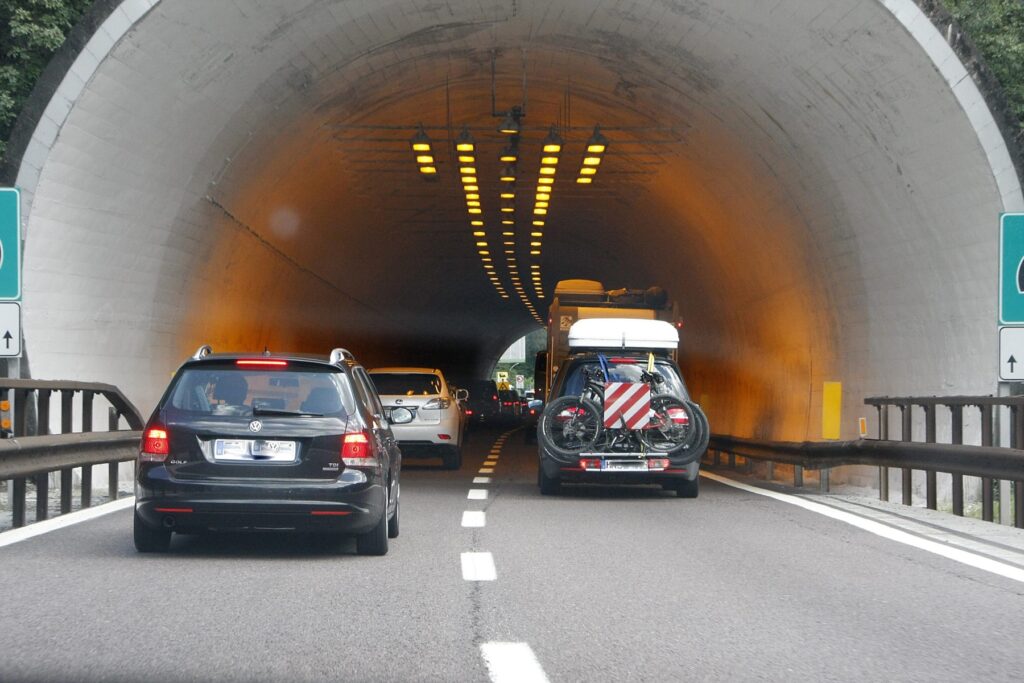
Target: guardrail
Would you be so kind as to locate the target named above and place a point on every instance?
(32, 452)
(958, 460)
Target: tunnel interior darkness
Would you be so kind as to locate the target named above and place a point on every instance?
(801, 177)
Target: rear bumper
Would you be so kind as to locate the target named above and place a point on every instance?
(573, 473)
(427, 433)
(353, 503)
(426, 449)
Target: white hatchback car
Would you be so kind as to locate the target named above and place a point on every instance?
(438, 424)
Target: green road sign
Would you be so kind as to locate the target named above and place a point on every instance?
(10, 244)
(1011, 269)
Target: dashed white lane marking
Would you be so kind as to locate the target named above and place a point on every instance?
(871, 526)
(512, 663)
(477, 494)
(478, 567)
(481, 480)
(491, 463)
(474, 518)
(48, 525)
(486, 470)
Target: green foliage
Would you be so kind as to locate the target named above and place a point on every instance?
(30, 32)
(996, 27)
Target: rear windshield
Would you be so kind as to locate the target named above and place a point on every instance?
(406, 383)
(230, 390)
(626, 370)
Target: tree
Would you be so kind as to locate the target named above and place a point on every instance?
(30, 32)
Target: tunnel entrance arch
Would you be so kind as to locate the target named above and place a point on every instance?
(799, 181)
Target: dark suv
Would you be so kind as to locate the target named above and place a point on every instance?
(269, 442)
(483, 403)
(676, 471)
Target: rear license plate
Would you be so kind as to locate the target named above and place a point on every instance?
(252, 449)
(624, 465)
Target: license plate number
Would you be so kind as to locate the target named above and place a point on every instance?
(624, 465)
(253, 449)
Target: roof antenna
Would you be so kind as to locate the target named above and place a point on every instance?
(266, 350)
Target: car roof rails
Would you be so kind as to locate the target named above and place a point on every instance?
(340, 354)
(202, 352)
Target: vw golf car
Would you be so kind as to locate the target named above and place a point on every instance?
(269, 442)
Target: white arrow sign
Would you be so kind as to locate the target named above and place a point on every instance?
(1011, 354)
(10, 329)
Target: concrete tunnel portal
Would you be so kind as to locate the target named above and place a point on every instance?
(816, 182)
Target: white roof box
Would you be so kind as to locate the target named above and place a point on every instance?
(623, 333)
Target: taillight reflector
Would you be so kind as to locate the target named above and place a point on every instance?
(355, 450)
(177, 510)
(261, 363)
(155, 445)
(678, 415)
(445, 437)
(330, 513)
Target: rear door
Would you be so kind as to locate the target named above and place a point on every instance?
(231, 421)
(420, 392)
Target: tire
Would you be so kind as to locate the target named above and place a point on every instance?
(549, 486)
(375, 541)
(148, 539)
(665, 436)
(570, 425)
(393, 522)
(452, 458)
(688, 489)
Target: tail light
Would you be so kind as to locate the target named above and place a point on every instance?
(356, 450)
(679, 416)
(436, 404)
(657, 463)
(155, 445)
(590, 463)
(445, 437)
(494, 398)
(468, 411)
(260, 363)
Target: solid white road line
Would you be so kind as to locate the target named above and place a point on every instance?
(486, 470)
(474, 518)
(512, 663)
(48, 525)
(477, 494)
(481, 480)
(871, 526)
(478, 567)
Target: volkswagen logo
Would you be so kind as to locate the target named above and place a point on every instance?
(255, 426)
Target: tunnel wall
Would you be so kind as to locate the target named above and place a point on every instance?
(828, 214)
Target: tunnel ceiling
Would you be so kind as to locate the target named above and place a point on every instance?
(798, 174)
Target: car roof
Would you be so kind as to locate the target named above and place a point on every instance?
(397, 370)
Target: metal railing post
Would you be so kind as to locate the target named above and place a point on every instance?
(113, 420)
(957, 431)
(986, 482)
(906, 415)
(798, 476)
(823, 479)
(66, 427)
(931, 484)
(883, 435)
(18, 490)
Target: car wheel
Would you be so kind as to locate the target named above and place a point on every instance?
(549, 486)
(453, 458)
(375, 541)
(150, 540)
(688, 489)
(393, 523)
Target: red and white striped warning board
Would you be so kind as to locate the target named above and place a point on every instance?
(627, 405)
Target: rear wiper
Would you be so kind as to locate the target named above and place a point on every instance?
(283, 413)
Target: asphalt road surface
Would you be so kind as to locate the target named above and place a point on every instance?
(596, 584)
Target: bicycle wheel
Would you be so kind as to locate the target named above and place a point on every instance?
(570, 425)
(673, 426)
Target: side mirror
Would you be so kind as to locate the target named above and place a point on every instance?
(461, 395)
(401, 416)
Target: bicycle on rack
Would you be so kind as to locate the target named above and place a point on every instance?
(575, 424)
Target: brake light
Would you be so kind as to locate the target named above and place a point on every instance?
(623, 360)
(155, 445)
(590, 463)
(468, 411)
(355, 450)
(533, 411)
(261, 363)
(679, 416)
(494, 398)
(657, 463)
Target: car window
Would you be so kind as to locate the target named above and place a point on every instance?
(364, 381)
(406, 383)
(229, 390)
(626, 371)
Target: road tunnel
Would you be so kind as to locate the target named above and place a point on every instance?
(816, 182)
